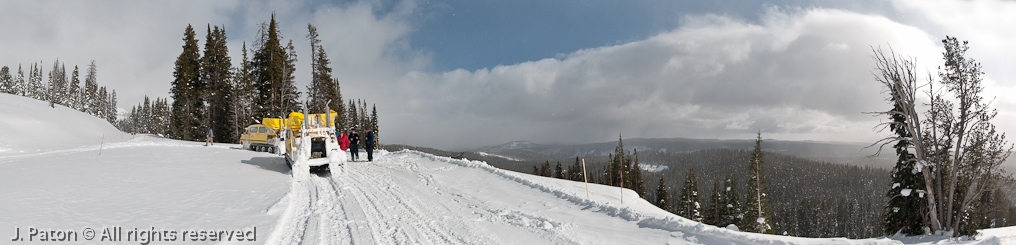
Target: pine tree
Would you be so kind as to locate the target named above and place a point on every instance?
(243, 94)
(558, 171)
(352, 116)
(6, 81)
(20, 85)
(663, 197)
(689, 206)
(616, 164)
(756, 218)
(111, 112)
(323, 90)
(373, 125)
(712, 211)
(36, 89)
(903, 213)
(91, 89)
(103, 109)
(575, 171)
(545, 169)
(272, 70)
(731, 211)
(637, 184)
(57, 84)
(74, 98)
(215, 71)
(188, 106)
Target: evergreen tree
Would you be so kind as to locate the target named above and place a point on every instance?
(36, 89)
(756, 218)
(575, 172)
(545, 169)
(712, 211)
(91, 89)
(6, 81)
(20, 85)
(689, 205)
(215, 71)
(637, 184)
(615, 169)
(731, 211)
(74, 98)
(323, 90)
(558, 171)
(103, 109)
(89, 102)
(273, 69)
(903, 214)
(244, 92)
(373, 125)
(188, 105)
(57, 84)
(353, 116)
(663, 197)
(111, 112)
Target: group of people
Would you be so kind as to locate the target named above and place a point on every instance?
(352, 140)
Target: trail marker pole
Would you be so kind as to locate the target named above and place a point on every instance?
(101, 142)
(622, 186)
(585, 178)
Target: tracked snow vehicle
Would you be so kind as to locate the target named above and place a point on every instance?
(310, 142)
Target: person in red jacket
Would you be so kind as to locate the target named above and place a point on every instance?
(343, 140)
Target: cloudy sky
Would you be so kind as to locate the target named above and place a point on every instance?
(456, 74)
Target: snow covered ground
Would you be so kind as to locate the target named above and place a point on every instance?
(184, 189)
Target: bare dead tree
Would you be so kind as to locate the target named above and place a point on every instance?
(899, 75)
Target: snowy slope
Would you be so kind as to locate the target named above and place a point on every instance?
(30, 125)
(147, 182)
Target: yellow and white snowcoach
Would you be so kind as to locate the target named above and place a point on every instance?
(264, 136)
(310, 142)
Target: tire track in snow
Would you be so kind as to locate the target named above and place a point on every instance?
(292, 224)
(313, 214)
(400, 216)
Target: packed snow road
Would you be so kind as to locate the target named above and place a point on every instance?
(395, 200)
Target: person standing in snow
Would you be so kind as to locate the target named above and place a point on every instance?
(209, 135)
(354, 149)
(343, 140)
(370, 145)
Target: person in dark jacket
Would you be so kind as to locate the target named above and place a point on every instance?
(370, 145)
(354, 140)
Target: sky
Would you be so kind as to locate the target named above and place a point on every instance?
(458, 74)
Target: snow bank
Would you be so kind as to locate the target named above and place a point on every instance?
(606, 200)
(28, 125)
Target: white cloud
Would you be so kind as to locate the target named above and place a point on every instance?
(714, 77)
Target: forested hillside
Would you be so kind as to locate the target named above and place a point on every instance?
(807, 198)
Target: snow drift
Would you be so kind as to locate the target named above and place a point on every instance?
(30, 125)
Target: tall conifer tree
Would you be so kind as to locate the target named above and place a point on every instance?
(757, 218)
(188, 106)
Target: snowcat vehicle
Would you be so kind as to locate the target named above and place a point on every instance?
(310, 143)
(263, 137)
